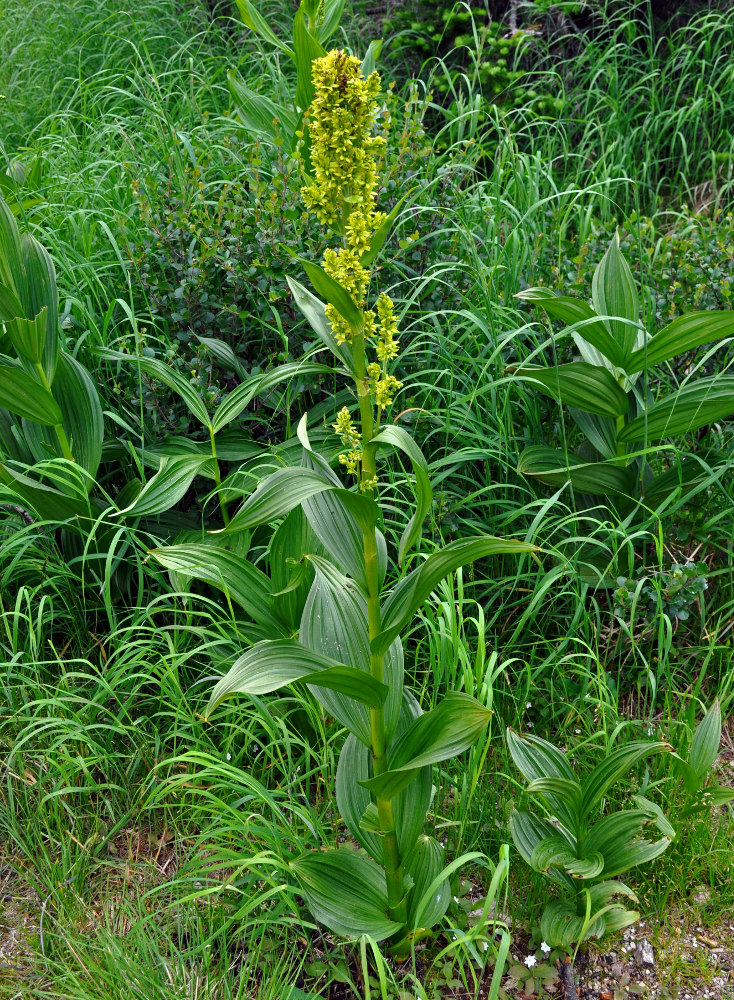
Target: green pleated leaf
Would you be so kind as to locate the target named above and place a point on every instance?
(169, 377)
(447, 730)
(334, 623)
(346, 892)
(556, 469)
(12, 272)
(290, 487)
(261, 115)
(332, 12)
(24, 396)
(227, 571)
(562, 927)
(330, 289)
(380, 236)
(50, 504)
(617, 763)
(169, 485)
(10, 306)
(416, 587)
(616, 828)
(683, 476)
(578, 384)
(313, 309)
(538, 760)
(695, 405)
(622, 856)
(706, 741)
(290, 573)
(577, 314)
(40, 297)
(397, 437)
(353, 799)
(82, 418)
(28, 336)
(555, 852)
(271, 665)
(558, 788)
(684, 334)
(257, 23)
(240, 398)
(306, 49)
(424, 864)
(656, 815)
(614, 294)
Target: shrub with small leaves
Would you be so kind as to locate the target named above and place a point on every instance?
(674, 592)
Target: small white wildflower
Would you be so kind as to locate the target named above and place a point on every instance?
(545, 947)
(650, 731)
(530, 961)
(456, 899)
(577, 731)
(529, 725)
(229, 756)
(485, 945)
(528, 704)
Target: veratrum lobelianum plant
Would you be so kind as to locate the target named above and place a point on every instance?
(611, 403)
(348, 650)
(576, 847)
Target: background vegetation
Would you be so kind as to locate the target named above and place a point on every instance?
(144, 851)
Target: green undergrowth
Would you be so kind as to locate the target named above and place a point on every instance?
(145, 851)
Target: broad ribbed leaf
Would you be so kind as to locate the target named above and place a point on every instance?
(578, 384)
(229, 572)
(313, 309)
(167, 486)
(290, 487)
(353, 799)
(346, 892)
(50, 504)
(617, 763)
(556, 469)
(28, 336)
(614, 294)
(334, 623)
(622, 856)
(306, 49)
(559, 788)
(332, 12)
(424, 864)
(616, 828)
(414, 589)
(601, 432)
(578, 315)
(24, 396)
(169, 377)
(261, 115)
(536, 760)
(257, 23)
(685, 333)
(39, 296)
(381, 235)
(273, 664)
(447, 730)
(554, 852)
(81, 413)
(241, 397)
(695, 405)
(337, 296)
(397, 437)
(290, 573)
(656, 815)
(706, 741)
(10, 306)
(562, 927)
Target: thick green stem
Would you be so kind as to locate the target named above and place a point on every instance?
(58, 428)
(218, 480)
(392, 861)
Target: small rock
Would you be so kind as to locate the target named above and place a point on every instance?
(644, 955)
(617, 969)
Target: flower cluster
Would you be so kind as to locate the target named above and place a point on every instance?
(342, 193)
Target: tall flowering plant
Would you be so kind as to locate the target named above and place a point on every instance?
(341, 636)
